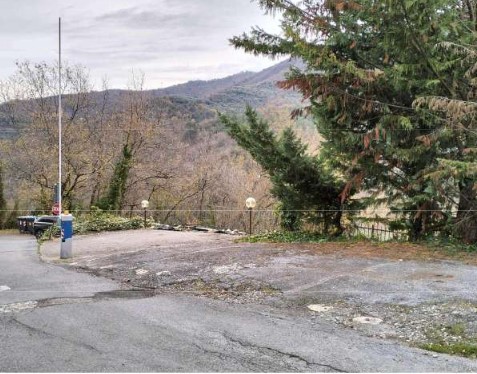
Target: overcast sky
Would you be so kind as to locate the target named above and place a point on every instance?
(171, 41)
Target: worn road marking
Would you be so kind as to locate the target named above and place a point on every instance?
(4, 288)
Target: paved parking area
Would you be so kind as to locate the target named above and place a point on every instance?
(409, 299)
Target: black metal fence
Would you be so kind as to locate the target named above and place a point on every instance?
(375, 231)
(262, 221)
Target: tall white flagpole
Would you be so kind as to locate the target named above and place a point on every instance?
(59, 117)
(60, 208)
(66, 220)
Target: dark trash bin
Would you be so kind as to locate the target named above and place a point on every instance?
(25, 224)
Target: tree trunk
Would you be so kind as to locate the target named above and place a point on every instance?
(337, 223)
(415, 232)
(96, 191)
(466, 221)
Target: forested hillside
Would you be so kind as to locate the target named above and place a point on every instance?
(123, 146)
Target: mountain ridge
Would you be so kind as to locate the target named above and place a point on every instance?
(203, 89)
(229, 94)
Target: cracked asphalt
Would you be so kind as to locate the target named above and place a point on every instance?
(161, 301)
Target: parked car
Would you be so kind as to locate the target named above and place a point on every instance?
(25, 224)
(43, 223)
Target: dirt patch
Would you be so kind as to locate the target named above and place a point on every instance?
(241, 292)
(386, 250)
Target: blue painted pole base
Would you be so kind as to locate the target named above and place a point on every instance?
(66, 236)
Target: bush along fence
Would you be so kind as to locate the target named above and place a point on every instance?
(258, 222)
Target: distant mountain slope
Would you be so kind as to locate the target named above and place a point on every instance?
(202, 89)
(229, 94)
(205, 89)
(274, 73)
(237, 98)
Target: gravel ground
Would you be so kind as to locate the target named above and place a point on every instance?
(408, 299)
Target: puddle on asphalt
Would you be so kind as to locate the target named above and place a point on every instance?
(55, 301)
(103, 295)
(43, 303)
(125, 294)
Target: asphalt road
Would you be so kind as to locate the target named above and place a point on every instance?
(54, 319)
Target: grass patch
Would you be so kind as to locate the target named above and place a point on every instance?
(306, 237)
(286, 237)
(461, 349)
(457, 329)
(465, 347)
(450, 245)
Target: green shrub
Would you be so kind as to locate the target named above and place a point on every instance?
(49, 233)
(286, 237)
(97, 221)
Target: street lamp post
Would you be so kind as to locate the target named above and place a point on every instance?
(250, 203)
(145, 205)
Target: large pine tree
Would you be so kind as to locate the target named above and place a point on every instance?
(372, 70)
(306, 189)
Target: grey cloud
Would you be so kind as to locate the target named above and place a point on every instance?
(117, 15)
(127, 56)
(182, 20)
(135, 18)
(171, 40)
(199, 69)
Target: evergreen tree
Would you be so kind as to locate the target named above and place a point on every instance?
(117, 187)
(302, 184)
(372, 70)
